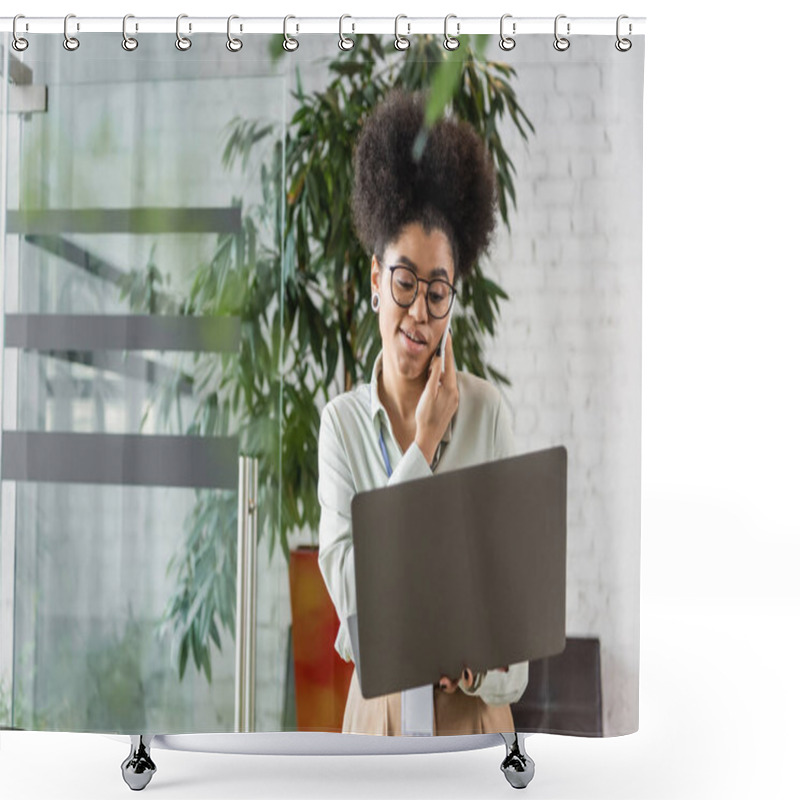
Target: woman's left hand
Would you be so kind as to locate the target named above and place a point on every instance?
(449, 685)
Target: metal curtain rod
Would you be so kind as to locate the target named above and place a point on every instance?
(354, 25)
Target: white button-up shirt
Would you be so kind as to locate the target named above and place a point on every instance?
(351, 461)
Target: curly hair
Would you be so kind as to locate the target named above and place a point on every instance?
(450, 186)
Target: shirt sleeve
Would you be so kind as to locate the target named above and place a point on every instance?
(411, 466)
(335, 491)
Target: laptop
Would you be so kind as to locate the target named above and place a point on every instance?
(463, 568)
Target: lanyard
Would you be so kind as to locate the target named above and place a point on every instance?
(385, 454)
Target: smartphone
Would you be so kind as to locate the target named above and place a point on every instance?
(443, 345)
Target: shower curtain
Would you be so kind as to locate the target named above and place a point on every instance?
(181, 285)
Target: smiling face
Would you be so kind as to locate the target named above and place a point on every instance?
(411, 335)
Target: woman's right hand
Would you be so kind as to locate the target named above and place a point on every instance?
(450, 685)
(437, 404)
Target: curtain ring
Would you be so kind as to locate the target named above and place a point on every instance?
(450, 42)
(233, 44)
(183, 43)
(289, 44)
(70, 42)
(401, 42)
(344, 42)
(561, 43)
(623, 45)
(129, 43)
(507, 42)
(19, 43)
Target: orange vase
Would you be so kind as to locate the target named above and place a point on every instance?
(322, 678)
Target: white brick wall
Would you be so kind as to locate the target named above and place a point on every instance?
(570, 338)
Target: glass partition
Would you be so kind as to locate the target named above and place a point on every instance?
(136, 243)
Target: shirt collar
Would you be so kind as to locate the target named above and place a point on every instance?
(377, 408)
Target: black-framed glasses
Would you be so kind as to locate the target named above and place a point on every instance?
(405, 285)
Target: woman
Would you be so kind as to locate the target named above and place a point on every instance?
(424, 220)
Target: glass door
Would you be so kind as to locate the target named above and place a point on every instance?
(136, 242)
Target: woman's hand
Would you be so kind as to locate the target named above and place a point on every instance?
(438, 403)
(449, 685)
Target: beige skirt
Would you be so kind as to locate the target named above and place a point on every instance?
(453, 714)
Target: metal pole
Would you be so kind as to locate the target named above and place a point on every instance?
(239, 682)
(251, 582)
(245, 668)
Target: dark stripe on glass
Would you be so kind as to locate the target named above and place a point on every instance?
(125, 220)
(123, 459)
(109, 332)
